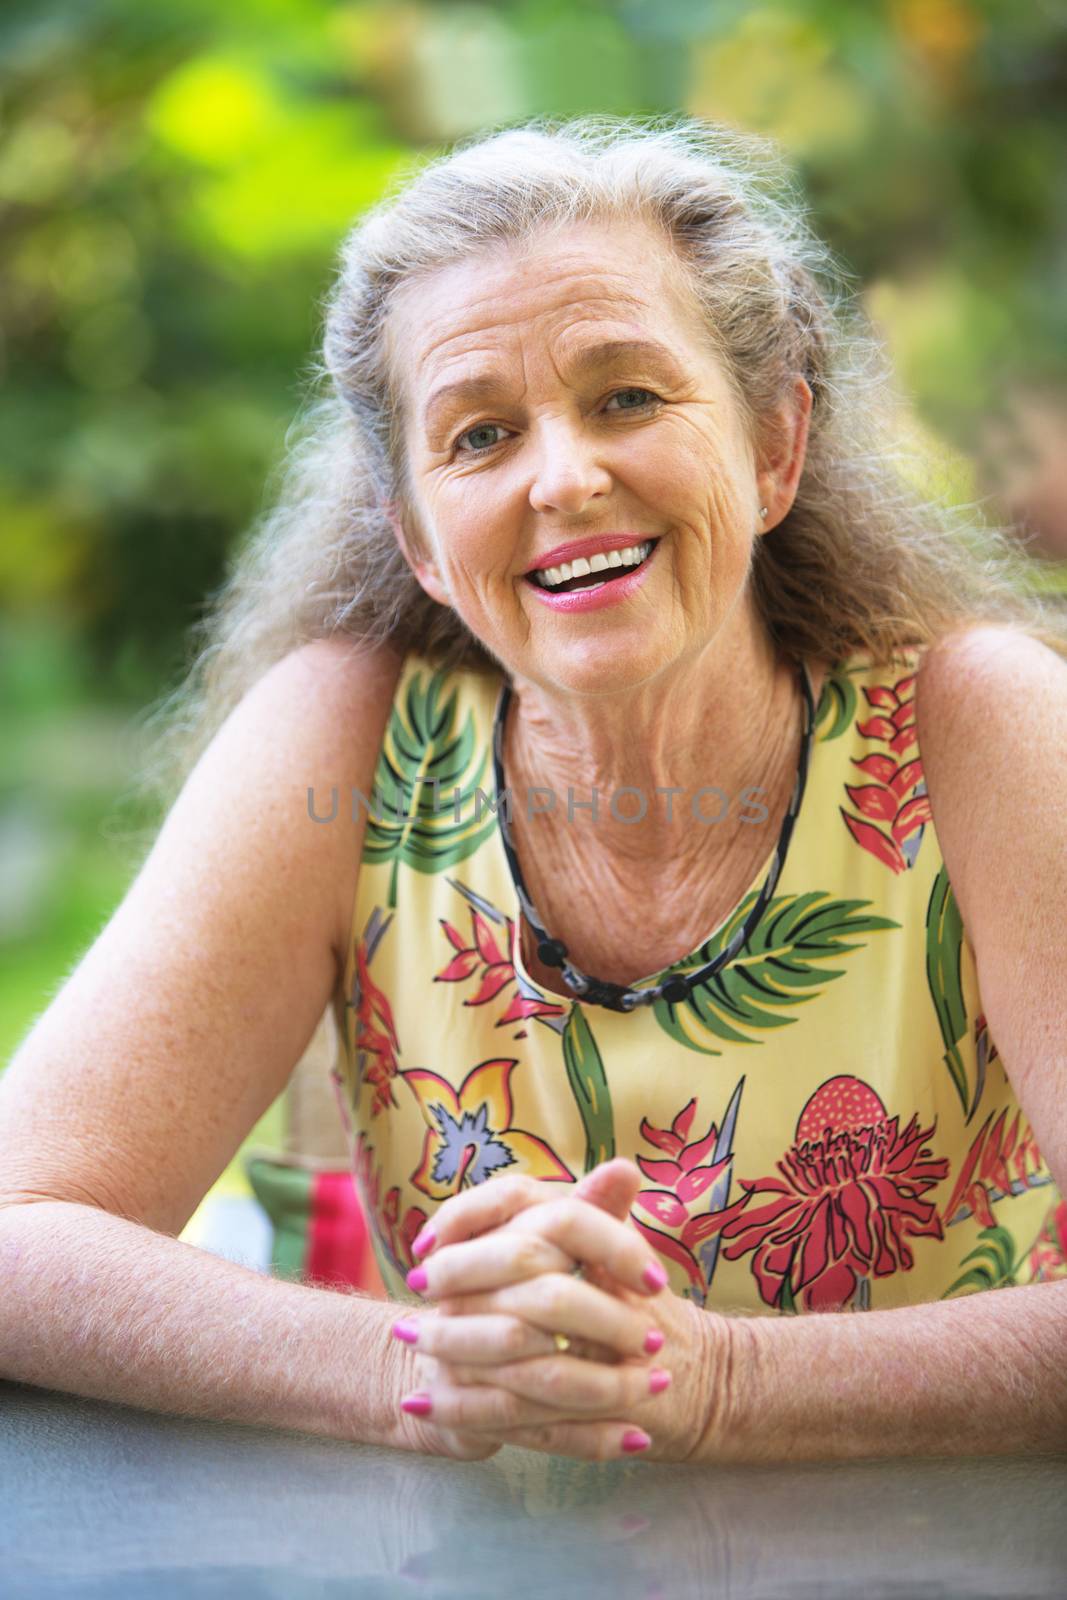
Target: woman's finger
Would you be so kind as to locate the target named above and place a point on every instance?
(568, 1383)
(542, 1238)
(488, 1408)
(552, 1303)
(477, 1210)
(486, 1340)
(588, 1234)
(489, 1262)
(491, 1205)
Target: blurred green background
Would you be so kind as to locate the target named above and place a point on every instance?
(175, 179)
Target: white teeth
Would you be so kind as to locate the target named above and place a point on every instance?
(632, 556)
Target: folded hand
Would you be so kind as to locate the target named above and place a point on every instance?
(499, 1270)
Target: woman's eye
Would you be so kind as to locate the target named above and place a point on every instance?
(477, 446)
(644, 396)
(480, 437)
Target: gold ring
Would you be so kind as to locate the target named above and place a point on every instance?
(561, 1340)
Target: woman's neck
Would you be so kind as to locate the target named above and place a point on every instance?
(694, 743)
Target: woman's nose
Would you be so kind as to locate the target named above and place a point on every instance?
(567, 474)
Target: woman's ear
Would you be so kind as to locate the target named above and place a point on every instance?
(782, 461)
(422, 566)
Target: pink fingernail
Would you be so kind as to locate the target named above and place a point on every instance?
(408, 1331)
(417, 1279)
(424, 1242)
(655, 1276)
(658, 1380)
(634, 1440)
(653, 1341)
(420, 1405)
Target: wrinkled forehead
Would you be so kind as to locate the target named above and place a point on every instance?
(628, 273)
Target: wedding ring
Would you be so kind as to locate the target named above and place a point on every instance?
(561, 1340)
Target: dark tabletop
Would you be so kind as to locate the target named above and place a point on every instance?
(101, 1500)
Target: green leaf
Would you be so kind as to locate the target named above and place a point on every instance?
(416, 823)
(998, 1246)
(944, 943)
(589, 1085)
(837, 702)
(775, 970)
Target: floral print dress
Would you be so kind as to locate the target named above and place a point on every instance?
(823, 1124)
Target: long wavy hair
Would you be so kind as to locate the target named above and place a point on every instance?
(869, 556)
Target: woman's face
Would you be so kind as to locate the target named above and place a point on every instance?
(569, 392)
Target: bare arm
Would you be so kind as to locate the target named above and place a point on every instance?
(169, 1040)
(96, 1305)
(982, 1375)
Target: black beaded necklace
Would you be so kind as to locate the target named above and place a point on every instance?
(678, 986)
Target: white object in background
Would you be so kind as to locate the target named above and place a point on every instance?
(233, 1226)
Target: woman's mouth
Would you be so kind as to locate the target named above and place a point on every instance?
(611, 567)
(588, 591)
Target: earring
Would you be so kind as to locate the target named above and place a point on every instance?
(763, 511)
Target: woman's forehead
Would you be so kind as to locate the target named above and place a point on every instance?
(590, 275)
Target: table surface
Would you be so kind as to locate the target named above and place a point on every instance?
(102, 1500)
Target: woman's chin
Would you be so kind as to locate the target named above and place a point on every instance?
(605, 665)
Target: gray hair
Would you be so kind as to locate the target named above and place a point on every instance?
(867, 557)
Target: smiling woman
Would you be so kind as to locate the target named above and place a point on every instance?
(604, 502)
(532, 441)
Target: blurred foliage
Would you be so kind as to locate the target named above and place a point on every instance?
(175, 179)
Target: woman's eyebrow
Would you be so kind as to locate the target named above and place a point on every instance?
(581, 362)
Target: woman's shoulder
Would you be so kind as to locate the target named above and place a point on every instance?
(991, 702)
(992, 716)
(328, 693)
(309, 735)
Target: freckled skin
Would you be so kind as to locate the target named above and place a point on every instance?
(678, 685)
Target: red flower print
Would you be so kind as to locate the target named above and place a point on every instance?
(688, 1194)
(1048, 1258)
(845, 1205)
(396, 1235)
(985, 1051)
(375, 1036)
(1002, 1161)
(894, 805)
(496, 970)
(984, 1044)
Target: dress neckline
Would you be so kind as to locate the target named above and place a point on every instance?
(677, 986)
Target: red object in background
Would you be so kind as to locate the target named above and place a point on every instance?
(339, 1248)
(320, 1231)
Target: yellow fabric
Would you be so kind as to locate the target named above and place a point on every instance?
(824, 1124)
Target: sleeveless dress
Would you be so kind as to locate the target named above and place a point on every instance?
(821, 1119)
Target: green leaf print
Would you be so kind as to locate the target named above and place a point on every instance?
(774, 970)
(944, 942)
(417, 823)
(996, 1263)
(837, 702)
(589, 1085)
